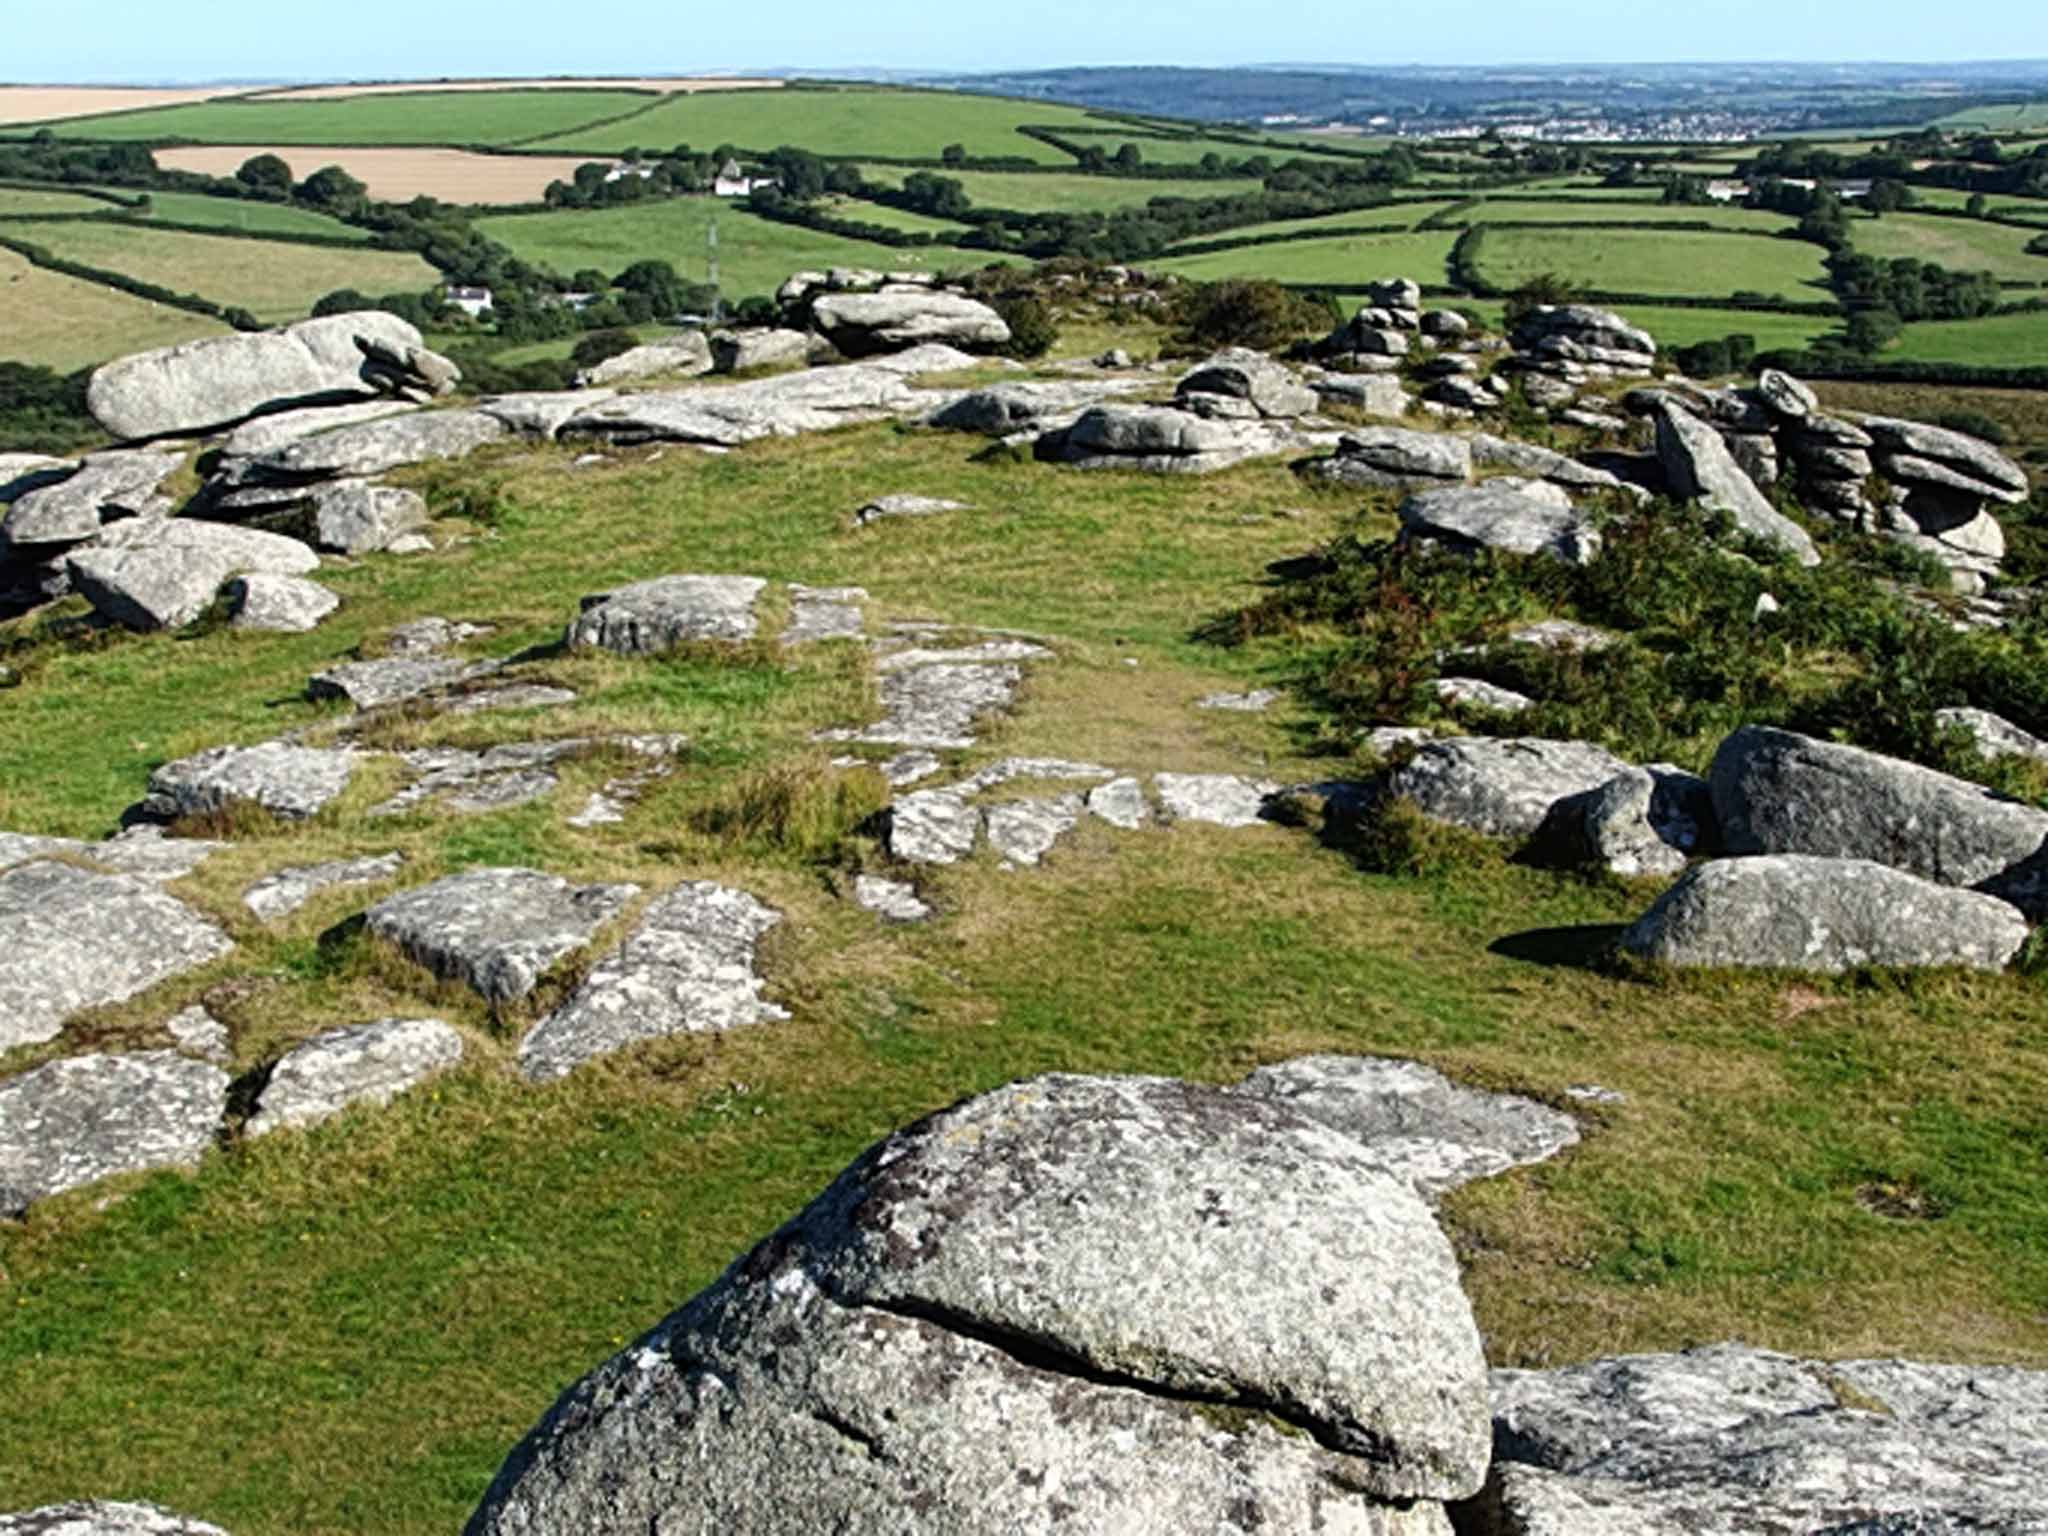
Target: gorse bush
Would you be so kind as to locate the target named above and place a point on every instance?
(1848, 655)
(1248, 313)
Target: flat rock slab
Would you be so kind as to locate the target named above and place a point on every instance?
(358, 518)
(123, 483)
(86, 1118)
(1025, 831)
(369, 1064)
(1177, 1259)
(1034, 406)
(933, 826)
(687, 968)
(1732, 1441)
(279, 895)
(377, 447)
(1502, 787)
(725, 416)
(282, 605)
(1779, 792)
(1501, 517)
(1163, 440)
(198, 1033)
(1121, 803)
(897, 900)
(98, 1517)
(394, 679)
(905, 506)
(1796, 912)
(860, 324)
(162, 573)
(650, 617)
(267, 434)
(1217, 799)
(496, 930)
(1418, 1124)
(823, 613)
(72, 940)
(288, 781)
(935, 704)
(1257, 702)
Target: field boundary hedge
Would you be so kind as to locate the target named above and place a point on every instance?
(192, 303)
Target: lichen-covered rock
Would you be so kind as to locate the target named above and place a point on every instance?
(1024, 831)
(932, 826)
(1034, 405)
(1394, 458)
(71, 940)
(358, 518)
(744, 351)
(823, 613)
(1160, 440)
(1502, 787)
(73, 507)
(1779, 792)
(280, 895)
(375, 447)
(905, 506)
(687, 354)
(1415, 1122)
(1638, 824)
(289, 781)
(1912, 450)
(783, 405)
(393, 679)
(1797, 912)
(99, 1517)
(1122, 803)
(860, 324)
(1578, 331)
(496, 930)
(86, 1118)
(162, 573)
(1733, 1441)
(280, 605)
(1212, 1313)
(1540, 463)
(1216, 799)
(686, 968)
(934, 703)
(896, 900)
(1993, 735)
(1700, 468)
(1238, 373)
(368, 1064)
(649, 617)
(1499, 516)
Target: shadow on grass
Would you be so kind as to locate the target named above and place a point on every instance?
(1585, 947)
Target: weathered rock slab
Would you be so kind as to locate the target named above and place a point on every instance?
(1502, 787)
(650, 617)
(860, 324)
(279, 605)
(279, 895)
(289, 781)
(99, 1517)
(86, 1118)
(1215, 799)
(162, 573)
(1497, 516)
(367, 1064)
(496, 930)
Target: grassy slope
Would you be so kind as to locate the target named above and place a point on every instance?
(345, 1330)
(1649, 261)
(1404, 215)
(449, 117)
(235, 216)
(892, 218)
(65, 323)
(1523, 210)
(17, 201)
(1963, 244)
(1052, 192)
(755, 254)
(1683, 327)
(278, 282)
(896, 124)
(1349, 259)
(1997, 341)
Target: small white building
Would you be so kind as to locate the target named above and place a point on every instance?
(622, 170)
(733, 182)
(471, 301)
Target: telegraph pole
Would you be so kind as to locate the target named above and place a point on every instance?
(717, 295)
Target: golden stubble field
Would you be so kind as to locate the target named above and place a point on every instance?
(656, 84)
(397, 175)
(40, 103)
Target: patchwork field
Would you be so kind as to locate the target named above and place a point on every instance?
(18, 202)
(429, 118)
(1530, 210)
(1967, 245)
(240, 216)
(755, 254)
(397, 175)
(1399, 215)
(65, 323)
(1684, 327)
(1345, 260)
(1656, 262)
(274, 281)
(1052, 192)
(845, 123)
(1997, 341)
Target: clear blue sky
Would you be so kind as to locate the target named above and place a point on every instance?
(161, 40)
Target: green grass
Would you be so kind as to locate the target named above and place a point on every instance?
(894, 124)
(1996, 341)
(1656, 262)
(1343, 260)
(1053, 192)
(891, 218)
(1508, 209)
(1583, 187)
(1683, 327)
(446, 117)
(276, 282)
(1964, 245)
(1403, 215)
(755, 254)
(66, 323)
(15, 202)
(2006, 119)
(235, 216)
(346, 1330)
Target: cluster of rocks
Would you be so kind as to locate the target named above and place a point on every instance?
(1814, 856)
(861, 313)
(1930, 487)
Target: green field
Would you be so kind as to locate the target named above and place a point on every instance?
(1656, 262)
(1996, 341)
(887, 123)
(274, 281)
(20, 202)
(1525, 210)
(235, 216)
(1683, 327)
(1343, 260)
(755, 254)
(1579, 186)
(1401, 215)
(65, 322)
(2006, 119)
(446, 117)
(1965, 245)
(1055, 192)
(891, 218)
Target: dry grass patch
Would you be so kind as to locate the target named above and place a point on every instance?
(396, 175)
(67, 323)
(654, 84)
(46, 103)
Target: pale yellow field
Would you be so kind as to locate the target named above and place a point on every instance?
(400, 87)
(396, 175)
(39, 103)
(64, 323)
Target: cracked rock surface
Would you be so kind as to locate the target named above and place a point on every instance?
(1502, 787)
(99, 1517)
(496, 930)
(1734, 1441)
(368, 1064)
(71, 940)
(86, 1118)
(687, 968)
(1214, 1314)
(281, 894)
(649, 617)
(288, 781)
